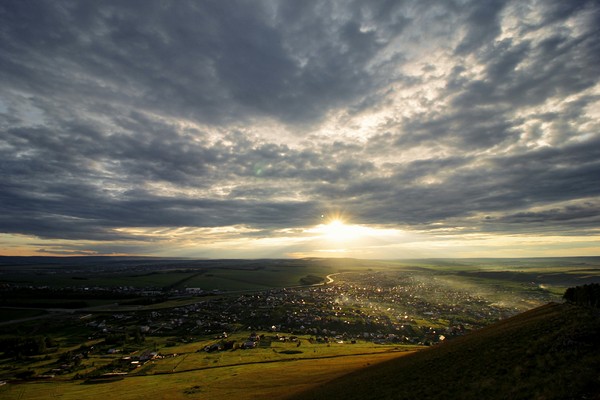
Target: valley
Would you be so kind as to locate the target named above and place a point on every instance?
(67, 323)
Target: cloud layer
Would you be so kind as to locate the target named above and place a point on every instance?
(147, 126)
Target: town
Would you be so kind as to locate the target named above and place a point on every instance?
(396, 306)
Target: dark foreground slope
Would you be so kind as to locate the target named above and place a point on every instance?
(552, 352)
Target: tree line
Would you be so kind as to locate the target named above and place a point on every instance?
(587, 295)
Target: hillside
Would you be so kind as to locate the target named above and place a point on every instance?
(551, 352)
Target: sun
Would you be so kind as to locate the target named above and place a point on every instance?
(338, 231)
(336, 237)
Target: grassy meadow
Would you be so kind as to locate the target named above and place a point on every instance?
(257, 381)
(276, 371)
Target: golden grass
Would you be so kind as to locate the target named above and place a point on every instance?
(274, 380)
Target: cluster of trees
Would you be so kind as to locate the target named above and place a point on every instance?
(19, 346)
(586, 295)
(119, 339)
(311, 280)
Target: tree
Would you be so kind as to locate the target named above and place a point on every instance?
(587, 295)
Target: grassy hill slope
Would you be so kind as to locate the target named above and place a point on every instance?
(551, 352)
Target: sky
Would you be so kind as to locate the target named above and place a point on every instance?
(268, 129)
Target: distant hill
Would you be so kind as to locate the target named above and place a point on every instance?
(551, 352)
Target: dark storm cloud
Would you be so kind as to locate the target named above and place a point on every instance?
(211, 60)
(462, 188)
(482, 25)
(174, 114)
(557, 66)
(584, 216)
(482, 112)
(87, 214)
(58, 187)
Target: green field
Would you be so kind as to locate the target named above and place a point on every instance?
(259, 381)
(241, 374)
(236, 275)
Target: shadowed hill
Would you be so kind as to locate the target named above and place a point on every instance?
(551, 352)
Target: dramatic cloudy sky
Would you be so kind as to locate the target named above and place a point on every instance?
(244, 128)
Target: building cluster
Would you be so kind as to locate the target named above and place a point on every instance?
(378, 306)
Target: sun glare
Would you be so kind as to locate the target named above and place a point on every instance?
(338, 231)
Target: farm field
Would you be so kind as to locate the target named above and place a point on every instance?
(274, 381)
(241, 374)
(235, 275)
